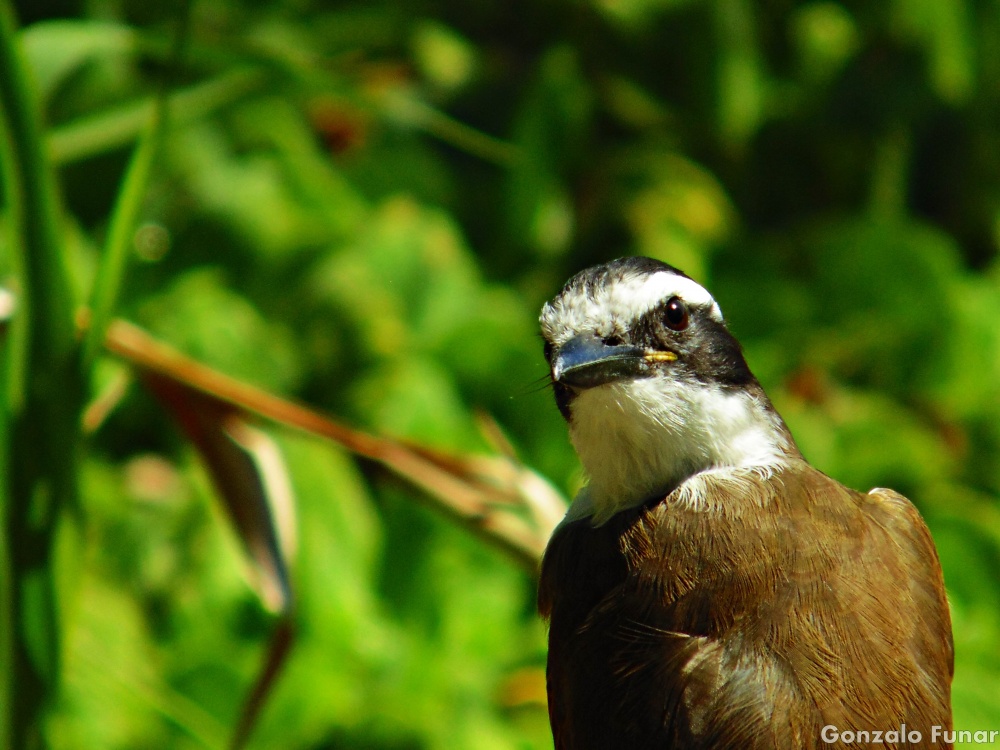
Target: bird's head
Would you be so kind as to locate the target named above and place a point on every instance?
(654, 387)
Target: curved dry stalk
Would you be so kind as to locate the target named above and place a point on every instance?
(497, 498)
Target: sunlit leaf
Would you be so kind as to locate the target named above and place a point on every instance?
(55, 49)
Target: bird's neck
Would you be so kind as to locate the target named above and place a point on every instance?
(645, 438)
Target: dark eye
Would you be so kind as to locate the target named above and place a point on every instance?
(676, 316)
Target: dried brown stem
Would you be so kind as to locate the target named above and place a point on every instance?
(479, 492)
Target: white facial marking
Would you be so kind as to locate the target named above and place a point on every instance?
(669, 433)
(617, 305)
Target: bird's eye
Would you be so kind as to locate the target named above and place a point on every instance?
(676, 316)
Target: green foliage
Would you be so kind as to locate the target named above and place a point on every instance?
(40, 400)
(363, 206)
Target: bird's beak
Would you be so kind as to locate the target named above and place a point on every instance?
(587, 362)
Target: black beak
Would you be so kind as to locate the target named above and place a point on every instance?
(587, 362)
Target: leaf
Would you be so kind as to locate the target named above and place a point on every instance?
(248, 474)
(213, 322)
(552, 123)
(825, 36)
(445, 58)
(56, 49)
(118, 126)
(676, 209)
(944, 28)
(740, 78)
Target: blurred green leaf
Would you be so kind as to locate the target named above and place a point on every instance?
(550, 125)
(446, 59)
(637, 12)
(95, 134)
(677, 211)
(220, 327)
(826, 36)
(56, 49)
(943, 27)
(887, 288)
(741, 82)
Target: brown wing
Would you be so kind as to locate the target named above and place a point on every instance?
(749, 627)
(634, 659)
(920, 584)
(581, 566)
(868, 635)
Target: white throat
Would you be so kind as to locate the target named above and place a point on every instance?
(644, 437)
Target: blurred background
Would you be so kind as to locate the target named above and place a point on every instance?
(362, 206)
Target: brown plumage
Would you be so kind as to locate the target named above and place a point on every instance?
(748, 626)
(752, 602)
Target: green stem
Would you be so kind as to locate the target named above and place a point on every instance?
(41, 399)
(111, 269)
(47, 284)
(128, 206)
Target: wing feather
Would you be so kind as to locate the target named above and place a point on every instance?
(745, 629)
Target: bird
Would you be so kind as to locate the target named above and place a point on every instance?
(708, 589)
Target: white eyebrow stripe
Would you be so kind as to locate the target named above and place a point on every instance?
(619, 304)
(639, 295)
